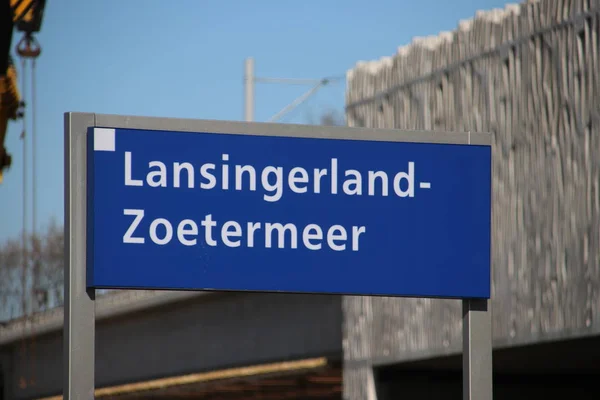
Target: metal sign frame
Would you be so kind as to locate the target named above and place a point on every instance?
(79, 304)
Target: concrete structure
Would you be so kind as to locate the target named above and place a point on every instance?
(206, 338)
(529, 74)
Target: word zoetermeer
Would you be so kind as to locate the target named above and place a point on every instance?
(232, 233)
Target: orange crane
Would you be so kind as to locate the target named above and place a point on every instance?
(26, 16)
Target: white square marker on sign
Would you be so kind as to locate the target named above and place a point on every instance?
(104, 139)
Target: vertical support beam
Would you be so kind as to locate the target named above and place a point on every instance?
(249, 90)
(371, 388)
(6, 376)
(79, 307)
(477, 350)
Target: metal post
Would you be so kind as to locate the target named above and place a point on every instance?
(249, 90)
(7, 375)
(79, 309)
(477, 350)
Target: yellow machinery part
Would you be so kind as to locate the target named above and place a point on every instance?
(26, 15)
(9, 92)
(22, 10)
(9, 107)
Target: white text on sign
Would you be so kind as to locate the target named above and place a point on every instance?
(273, 181)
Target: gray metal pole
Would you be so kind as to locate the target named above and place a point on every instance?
(249, 90)
(477, 350)
(79, 309)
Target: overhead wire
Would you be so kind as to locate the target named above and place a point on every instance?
(30, 241)
(36, 243)
(296, 102)
(304, 97)
(24, 244)
(33, 152)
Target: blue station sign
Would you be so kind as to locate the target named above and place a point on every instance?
(215, 210)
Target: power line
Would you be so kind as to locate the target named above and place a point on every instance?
(250, 79)
(298, 81)
(296, 102)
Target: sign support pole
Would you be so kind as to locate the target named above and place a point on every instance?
(477, 350)
(79, 306)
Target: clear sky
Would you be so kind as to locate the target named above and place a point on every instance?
(185, 59)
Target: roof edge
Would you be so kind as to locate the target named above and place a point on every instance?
(110, 305)
(432, 42)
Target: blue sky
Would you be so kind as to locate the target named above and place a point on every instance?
(185, 59)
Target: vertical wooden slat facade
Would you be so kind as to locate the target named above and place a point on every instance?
(529, 74)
